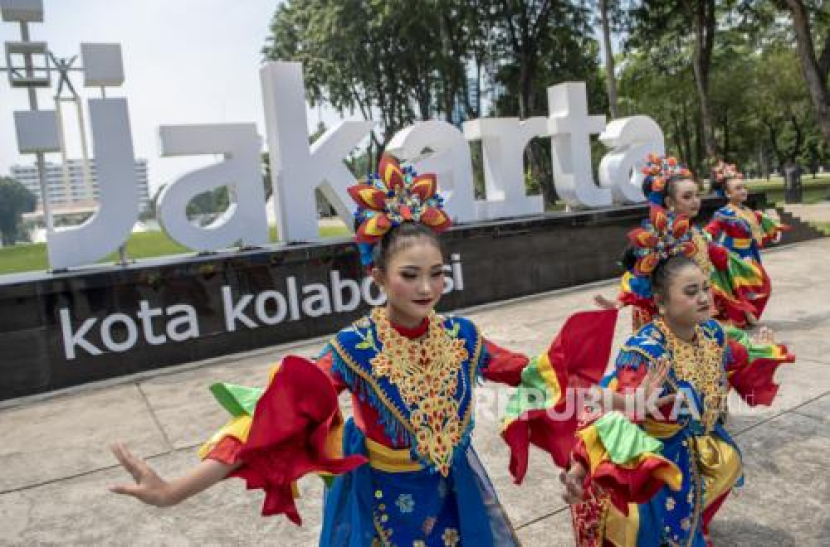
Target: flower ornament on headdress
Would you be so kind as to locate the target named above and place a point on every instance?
(723, 172)
(660, 238)
(659, 170)
(392, 196)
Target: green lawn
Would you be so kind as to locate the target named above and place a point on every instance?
(32, 257)
(815, 189)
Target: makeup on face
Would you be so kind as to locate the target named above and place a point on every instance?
(685, 198)
(413, 282)
(689, 299)
(737, 191)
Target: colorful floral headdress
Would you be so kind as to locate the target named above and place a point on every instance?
(659, 238)
(392, 196)
(723, 172)
(659, 170)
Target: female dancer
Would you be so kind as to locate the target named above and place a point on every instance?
(701, 368)
(736, 284)
(402, 470)
(740, 229)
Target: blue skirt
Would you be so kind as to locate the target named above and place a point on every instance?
(367, 506)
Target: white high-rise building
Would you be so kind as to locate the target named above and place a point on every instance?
(73, 193)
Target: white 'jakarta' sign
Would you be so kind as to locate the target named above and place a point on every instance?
(299, 168)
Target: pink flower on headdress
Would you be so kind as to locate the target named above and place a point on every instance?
(726, 171)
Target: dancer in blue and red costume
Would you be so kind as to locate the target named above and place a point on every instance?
(702, 364)
(402, 470)
(737, 285)
(741, 230)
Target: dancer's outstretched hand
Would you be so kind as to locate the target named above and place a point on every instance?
(765, 336)
(606, 304)
(573, 479)
(654, 381)
(148, 487)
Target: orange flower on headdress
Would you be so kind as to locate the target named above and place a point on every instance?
(395, 195)
(660, 237)
(659, 170)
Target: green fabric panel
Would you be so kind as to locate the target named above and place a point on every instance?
(721, 280)
(753, 349)
(739, 267)
(624, 440)
(532, 393)
(237, 400)
(768, 225)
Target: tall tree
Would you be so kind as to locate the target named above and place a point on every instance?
(524, 24)
(654, 20)
(606, 9)
(532, 59)
(814, 67)
(15, 199)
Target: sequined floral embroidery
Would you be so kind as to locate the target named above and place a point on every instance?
(425, 372)
(405, 503)
(450, 537)
(701, 364)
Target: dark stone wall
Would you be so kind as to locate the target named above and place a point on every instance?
(500, 260)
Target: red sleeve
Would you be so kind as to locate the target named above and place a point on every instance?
(325, 364)
(226, 451)
(502, 365)
(753, 376)
(719, 256)
(714, 227)
(290, 436)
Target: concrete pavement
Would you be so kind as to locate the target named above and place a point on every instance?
(55, 466)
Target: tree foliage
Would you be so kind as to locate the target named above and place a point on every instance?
(721, 78)
(15, 199)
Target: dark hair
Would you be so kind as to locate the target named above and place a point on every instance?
(668, 190)
(666, 270)
(720, 186)
(399, 238)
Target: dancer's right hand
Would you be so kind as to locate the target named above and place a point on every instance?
(148, 487)
(573, 479)
(606, 304)
(654, 381)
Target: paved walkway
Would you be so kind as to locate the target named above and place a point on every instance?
(55, 466)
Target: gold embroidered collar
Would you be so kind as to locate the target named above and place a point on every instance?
(425, 372)
(700, 363)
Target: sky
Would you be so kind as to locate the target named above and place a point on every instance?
(185, 62)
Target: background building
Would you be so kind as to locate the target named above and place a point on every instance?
(73, 193)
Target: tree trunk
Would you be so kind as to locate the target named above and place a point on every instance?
(799, 140)
(725, 133)
(773, 141)
(704, 25)
(610, 78)
(814, 75)
(698, 159)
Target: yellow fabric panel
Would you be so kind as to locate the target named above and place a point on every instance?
(621, 530)
(237, 428)
(660, 430)
(390, 460)
(549, 376)
(720, 466)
